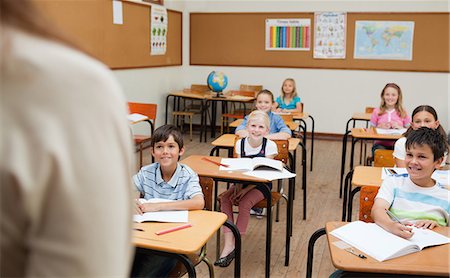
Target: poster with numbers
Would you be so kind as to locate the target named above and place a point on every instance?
(158, 30)
(330, 35)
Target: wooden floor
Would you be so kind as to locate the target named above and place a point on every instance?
(323, 205)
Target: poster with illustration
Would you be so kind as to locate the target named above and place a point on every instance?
(329, 35)
(158, 30)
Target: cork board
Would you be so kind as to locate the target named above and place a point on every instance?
(90, 24)
(238, 39)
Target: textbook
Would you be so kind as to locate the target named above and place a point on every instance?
(250, 164)
(383, 245)
(172, 216)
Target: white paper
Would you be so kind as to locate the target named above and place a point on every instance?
(136, 117)
(270, 175)
(173, 216)
(245, 163)
(392, 131)
(117, 12)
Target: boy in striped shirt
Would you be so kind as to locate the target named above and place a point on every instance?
(416, 200)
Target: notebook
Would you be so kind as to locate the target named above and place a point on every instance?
(172, 216)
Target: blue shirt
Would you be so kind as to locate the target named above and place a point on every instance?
(276, 124)
(291, 105)
(183, 185)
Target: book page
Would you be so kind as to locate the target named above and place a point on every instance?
(270, 175)
(267, 164)
(235, 164)
(392, 131)
(426, 237)
(173, 216)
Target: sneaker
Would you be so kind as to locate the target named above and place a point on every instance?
(258, 212)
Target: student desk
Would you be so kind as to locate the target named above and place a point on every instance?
(433, 261)
(207, 169)
(226, 141)
(360, 134)
(186, 241)
(207, 99)
(292, 125)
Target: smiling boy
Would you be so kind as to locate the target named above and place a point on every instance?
(165, 179)
(417, 200)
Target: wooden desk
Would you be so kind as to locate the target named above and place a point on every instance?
(226, 141)
(292, 125)
(186, 241)
(212, 170)
(433, 261)
(360, 134)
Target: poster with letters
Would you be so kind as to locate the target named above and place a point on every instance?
(330, 35)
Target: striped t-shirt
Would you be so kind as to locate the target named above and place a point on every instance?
(183, 185)
(411, 202)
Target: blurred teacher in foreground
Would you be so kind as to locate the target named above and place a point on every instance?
(65, 153)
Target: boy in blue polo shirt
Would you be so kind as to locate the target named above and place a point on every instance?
(165, 179)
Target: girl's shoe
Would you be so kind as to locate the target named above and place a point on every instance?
(225, 261)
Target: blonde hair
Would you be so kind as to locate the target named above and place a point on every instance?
(398, 106)
(259, 115)
(294, 92)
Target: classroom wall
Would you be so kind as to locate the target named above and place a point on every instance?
(331, 96)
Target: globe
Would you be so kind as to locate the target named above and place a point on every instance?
(217, 81)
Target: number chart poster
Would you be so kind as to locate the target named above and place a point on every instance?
(158, 30)
(329, 35)
(288, 34)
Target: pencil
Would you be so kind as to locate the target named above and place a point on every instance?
(214, 162)
(173, 229)
(392, 216)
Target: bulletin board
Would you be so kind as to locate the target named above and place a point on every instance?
(90, 25)
(238, 39)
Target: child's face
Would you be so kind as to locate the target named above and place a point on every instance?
(167, 153)
(257, 128)
(390, 97)
(264, 103)
(288, 87)
(424, 118)
(420, 163)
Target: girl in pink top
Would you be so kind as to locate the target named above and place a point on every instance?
(390, 114)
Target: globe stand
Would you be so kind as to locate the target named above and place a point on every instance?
(220, 94)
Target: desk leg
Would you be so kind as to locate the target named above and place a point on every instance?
(304, 172)
(344, 154)
(352, 152)
(237, 248)
(350, 203)
(268, 229)
(347, 189)
(167, 107)
(289, 220)
(213, 118)
(312, 240)
(312, 142)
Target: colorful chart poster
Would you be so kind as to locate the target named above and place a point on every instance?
(330, 35)
(384, 40)
(288, 34)
(158, 30)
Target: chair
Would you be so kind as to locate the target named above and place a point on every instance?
(190, 107)
(366, 200)
(179, 270)
(149, 110)
(384, 158)
(234, 111)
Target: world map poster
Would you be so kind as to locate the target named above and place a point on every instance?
(384, 40)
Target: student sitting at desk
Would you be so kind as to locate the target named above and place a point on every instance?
(165, 179)
(278, 129)
(289, 101)
(416, 199)
(255, 145)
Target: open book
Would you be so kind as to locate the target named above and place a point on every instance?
(175, 216)
(250, 164)
(381, 244)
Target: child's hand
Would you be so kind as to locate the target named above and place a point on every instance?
(401, 230)
(149, 207)
(279, 110)
(428, 224)
(385, 125)
(137, 209)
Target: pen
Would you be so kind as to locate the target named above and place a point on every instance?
(351, 251)
(392, 216)
(214, 162)
(173, 229)
(137, 229)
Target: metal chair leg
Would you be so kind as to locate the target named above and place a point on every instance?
(312, 240)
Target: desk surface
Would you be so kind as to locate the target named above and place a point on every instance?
(367, 175)
(207, 169)
(361, 116)
(186, 241)
(187, 93)
(371, 133)
(291, 125)
(429, 261)
(227, 141)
